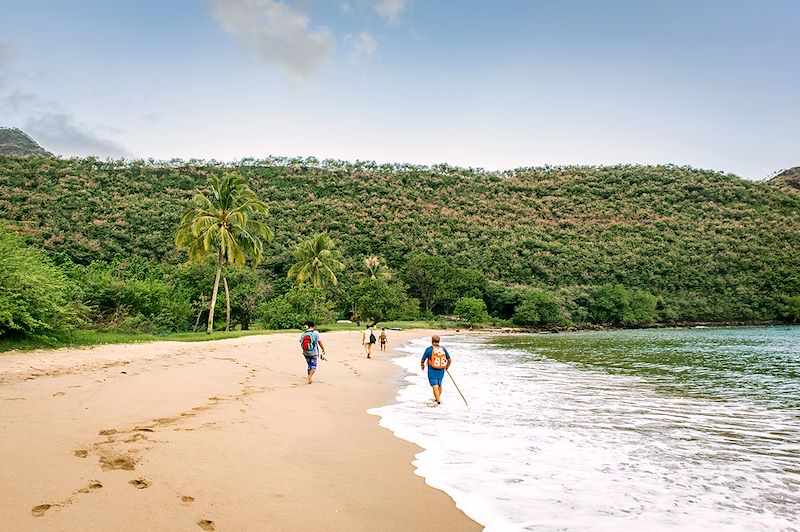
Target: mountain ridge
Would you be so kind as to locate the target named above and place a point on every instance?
(14, 141)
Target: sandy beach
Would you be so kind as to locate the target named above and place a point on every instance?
(223, 435)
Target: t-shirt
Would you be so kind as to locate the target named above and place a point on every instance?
(427, 356)
(314, 340)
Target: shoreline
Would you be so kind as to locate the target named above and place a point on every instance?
(223, 435)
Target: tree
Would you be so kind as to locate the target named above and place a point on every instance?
(317, 260)
(537, 307)
(374, 270)
(225, 221)
(617, 305)
(790, 308)
(472, 310)
(295, 307)
(426, 276)
(375, 301)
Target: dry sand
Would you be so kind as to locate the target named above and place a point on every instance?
(222, 435)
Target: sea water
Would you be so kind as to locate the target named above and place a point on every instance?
(670, 429)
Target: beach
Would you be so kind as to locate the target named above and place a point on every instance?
(222, 435)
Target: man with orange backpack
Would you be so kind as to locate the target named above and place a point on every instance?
(438, 360)
(310, 342)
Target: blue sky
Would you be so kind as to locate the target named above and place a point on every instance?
(491, 84)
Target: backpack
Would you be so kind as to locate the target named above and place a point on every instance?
(371, 338)
(438, 357)
(308, 344)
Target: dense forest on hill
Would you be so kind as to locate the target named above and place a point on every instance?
(706, 246)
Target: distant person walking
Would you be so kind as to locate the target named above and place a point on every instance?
(368, 340)
(311, 342)
(382, 338)
(438, 360)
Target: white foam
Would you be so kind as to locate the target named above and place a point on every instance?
(545, 445)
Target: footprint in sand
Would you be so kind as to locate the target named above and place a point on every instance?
(135, 438)
(186, 500)
(139, 483)
(110, 463)
(38, 511)
(93, 485)
(205, 524)
(81, 453)
(59, 394)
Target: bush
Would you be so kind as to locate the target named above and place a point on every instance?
(539, 308)
(616, 305)
(33, 292)
(790, 308)
(377, 301)
(132, 299)
(292, 309)
(472, 310)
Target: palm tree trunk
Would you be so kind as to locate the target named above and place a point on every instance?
(197, 321)
(227, 304)
(214, 294)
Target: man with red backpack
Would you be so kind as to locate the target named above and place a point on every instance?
(311, 343)
(438, 360)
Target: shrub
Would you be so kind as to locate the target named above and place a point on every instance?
(615, 304)
(292, 309)
(33, 292)
(538, 307)
(472, 310)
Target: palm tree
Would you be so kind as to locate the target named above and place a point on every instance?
(317, 261)
(224, 222)
(374, 270)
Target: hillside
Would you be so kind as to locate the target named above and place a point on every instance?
(691, 237)
(788, 178)
(16, 142)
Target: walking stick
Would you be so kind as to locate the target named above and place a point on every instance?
(456, 385)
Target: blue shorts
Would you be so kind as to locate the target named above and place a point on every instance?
(435, 377)
(312, 362)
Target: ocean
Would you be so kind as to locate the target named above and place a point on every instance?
(659, 429)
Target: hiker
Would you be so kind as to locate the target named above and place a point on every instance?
(311, 343)
(382, 338)
(368, 340)
(438, 360)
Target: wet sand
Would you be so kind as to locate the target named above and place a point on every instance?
(223, 435)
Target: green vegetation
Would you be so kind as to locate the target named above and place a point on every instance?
(317, 262)
(224, 223)
(471, 310)
(622, 245)
(34, 294)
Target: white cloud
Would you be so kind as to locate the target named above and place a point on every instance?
(56, 130)
(391, 9)
(59, 133)
(345, 7)
(277, 33)
(18, 101)
(361, 46)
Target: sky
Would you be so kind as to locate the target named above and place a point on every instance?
(496, 84)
